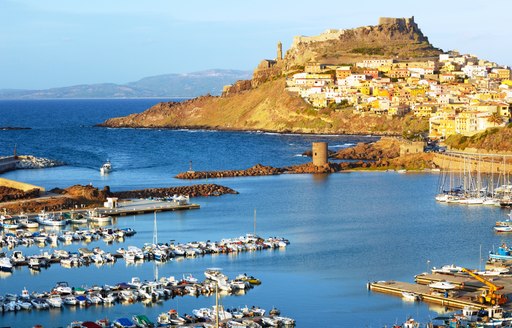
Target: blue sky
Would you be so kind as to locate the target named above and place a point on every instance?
(55, 43)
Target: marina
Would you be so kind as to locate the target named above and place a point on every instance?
(343, 232)
(475, 179)
(160, 252)
(62, 295)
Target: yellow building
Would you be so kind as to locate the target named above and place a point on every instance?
(424, 110)
(501, 73)
(441, 126)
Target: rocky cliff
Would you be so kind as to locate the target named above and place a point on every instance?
(262, 102)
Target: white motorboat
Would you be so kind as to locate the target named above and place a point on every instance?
(503, 228)
(410, 296)
(69, 300)
(94, 299)
(25, 295)
(449, 268)
(96, 216)
(17, 257)
(25, 305)
(5, 264)
(106, 167)
(215, 274)
(39, 304)
(444, 285)
(51, 219)
(62, 288)
(26, 223)
(54, 301)
(34, 264)
(190, 279)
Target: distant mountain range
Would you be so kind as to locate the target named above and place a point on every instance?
(168, 85)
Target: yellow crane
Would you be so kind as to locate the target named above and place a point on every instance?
(488, 296)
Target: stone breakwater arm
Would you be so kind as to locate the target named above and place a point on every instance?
(260, 170)
(257, 170)
(191, 191)
(32, 162)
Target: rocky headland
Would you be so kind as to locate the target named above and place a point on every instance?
(263, 104)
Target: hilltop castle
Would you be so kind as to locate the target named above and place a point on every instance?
(334, 34)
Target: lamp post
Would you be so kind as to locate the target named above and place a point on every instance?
(428, 266)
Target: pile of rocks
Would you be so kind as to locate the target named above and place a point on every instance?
(256, 170)
(32, 162)
(7, 194)
(191, 191)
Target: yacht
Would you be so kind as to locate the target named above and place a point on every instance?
(106, 168)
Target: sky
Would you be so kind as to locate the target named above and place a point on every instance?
(56, 43)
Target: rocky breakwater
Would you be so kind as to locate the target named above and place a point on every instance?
(256, 170)
(32, 162)
(59, 199)
(191, 191)
(262, 170)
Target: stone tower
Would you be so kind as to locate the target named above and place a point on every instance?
(319, 155)
(279, 51)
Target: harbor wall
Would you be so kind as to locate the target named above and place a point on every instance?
(7, 163)
(473, 163)
(19, 185)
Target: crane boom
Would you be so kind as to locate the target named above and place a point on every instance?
(488, 283)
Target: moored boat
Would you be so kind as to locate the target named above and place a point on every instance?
(124, 323)
(410, 296)
(96, 216)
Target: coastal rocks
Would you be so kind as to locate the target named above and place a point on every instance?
(191, 191)
(39, 204)
(256, 170)
(8, 194)
(384, 148)
(88, 193)
(32, 162)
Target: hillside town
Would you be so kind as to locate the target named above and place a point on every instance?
(458, 94)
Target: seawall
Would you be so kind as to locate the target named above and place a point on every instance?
(8, 163)
(483, 163)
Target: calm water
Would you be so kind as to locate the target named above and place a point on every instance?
(345, 229)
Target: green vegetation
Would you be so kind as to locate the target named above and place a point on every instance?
(414, 128)
(341, 105)
(492, 139)
(372, 51)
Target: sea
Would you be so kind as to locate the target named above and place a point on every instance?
(345, 229)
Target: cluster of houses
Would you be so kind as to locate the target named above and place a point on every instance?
(459, 94)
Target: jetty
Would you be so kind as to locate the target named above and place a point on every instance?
(464, 292)
(142, 206)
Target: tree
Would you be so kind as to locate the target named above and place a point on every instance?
(495, 119)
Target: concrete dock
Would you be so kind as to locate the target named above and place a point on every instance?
(141, 206)
(131, 207)
(465, 294)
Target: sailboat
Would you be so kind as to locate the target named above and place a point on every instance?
(158, 253)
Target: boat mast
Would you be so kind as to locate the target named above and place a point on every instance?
(155, 237)
(155, 244)
(217, 305)
(255, 222)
